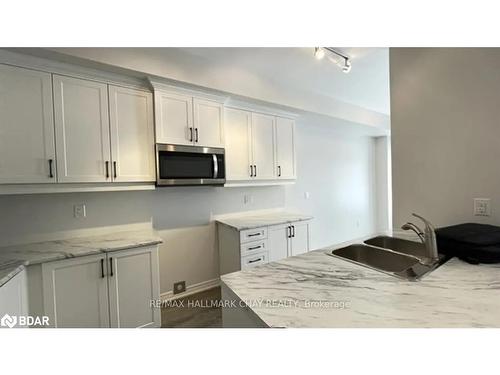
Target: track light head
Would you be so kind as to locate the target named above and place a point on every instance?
(319, 53)
(347, 66)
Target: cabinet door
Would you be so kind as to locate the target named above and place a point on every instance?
(238, 144)
(300, 240)
(285, 150)
(132, 135)
(75, 292)
(278, 242)
(133, 277)
(27, 126)
(14, 296)
(263, 146)
(82, 130)
(174, 118)
(208, 123)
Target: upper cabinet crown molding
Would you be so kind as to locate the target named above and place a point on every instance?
(255, 106)
(179, 88)
(67, 69)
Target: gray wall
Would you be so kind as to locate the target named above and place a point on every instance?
(445, 111)
(336, 169)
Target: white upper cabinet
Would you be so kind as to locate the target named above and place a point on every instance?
(82, 130)
(174, 118)
(260, 148)
(27, 151)
(285, 150)
(132, 135)
(208, 123)
(238, 144)
(263, 147)
(184, 117)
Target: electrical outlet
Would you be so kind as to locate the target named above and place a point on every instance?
(79, 211)
(482, 207)
(179, 287)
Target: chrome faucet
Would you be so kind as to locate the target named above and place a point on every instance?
(428, 238)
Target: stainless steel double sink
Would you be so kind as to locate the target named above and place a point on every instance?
(391, 255)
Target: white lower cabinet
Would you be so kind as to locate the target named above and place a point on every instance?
(278, 242)
(133, 281)
(14, 297)
(108, 290)
(239, 250)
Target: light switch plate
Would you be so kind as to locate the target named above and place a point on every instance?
(482, 207)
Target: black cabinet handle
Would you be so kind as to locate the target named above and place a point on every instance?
(289, 231)
(255, 169)
(111, 267)
(196, 132)
(51, 173)
(251, 171)
(279, 170)
(114, 169)
(254, 247)
(255, 260)
(107, 169)
(293, 229)
(102, 268)
(190, 134)
(253, 234)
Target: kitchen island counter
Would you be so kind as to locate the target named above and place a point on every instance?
(316, 290)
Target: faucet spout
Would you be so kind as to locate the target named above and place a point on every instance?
(428, 238)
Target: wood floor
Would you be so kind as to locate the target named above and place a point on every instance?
(194, 311)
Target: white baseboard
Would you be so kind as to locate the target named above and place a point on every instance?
(191, 289)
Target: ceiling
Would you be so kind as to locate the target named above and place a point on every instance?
(367, 85)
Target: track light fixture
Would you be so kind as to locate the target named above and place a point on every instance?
(338, 58)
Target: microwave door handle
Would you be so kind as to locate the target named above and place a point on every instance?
(216, 165)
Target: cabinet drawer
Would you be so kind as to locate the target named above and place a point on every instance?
(254, 260)
(253, 234)
(252, 247)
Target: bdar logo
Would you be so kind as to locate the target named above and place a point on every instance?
(8, 321)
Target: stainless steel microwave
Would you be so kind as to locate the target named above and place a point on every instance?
(189, 165)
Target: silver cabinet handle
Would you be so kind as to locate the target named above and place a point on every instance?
(51, 173)
(216, 165)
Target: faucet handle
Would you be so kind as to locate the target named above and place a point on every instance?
(427, 222)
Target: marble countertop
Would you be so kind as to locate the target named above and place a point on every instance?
(251, 221)
(14, 258)
(316, 290)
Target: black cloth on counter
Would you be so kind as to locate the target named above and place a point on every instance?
(474, 243)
